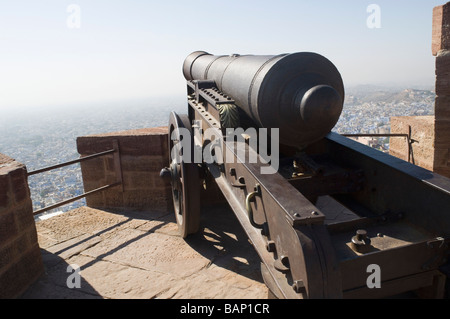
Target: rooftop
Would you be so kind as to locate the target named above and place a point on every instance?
(140, 255)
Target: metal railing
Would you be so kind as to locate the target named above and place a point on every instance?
(117, 168)
(409, 140)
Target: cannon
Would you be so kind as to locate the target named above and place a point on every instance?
(300, 93)
(328, 216)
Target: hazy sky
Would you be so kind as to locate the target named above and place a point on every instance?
(135, 49)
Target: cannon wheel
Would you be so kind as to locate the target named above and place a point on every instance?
(185, 178)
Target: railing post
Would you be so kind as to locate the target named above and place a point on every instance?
(410, 142)
(117, 163)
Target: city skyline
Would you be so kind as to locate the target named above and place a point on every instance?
(41, 138)
(71, 52)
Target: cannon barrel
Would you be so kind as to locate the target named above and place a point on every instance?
(302, 93)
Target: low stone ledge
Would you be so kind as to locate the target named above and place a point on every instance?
(422, 130)
(143, 153)
(20, 259)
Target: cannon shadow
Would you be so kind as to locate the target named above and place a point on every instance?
(222, 239)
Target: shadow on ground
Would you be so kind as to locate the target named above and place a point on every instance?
(221, 232)
(139, 255)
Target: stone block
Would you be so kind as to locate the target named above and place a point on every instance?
(24, 216)
(19, 184)
(8, 255)
(90, 185)
(153, 199)
(442, 84)
(8, 227)
(113, 198)
(142, 145)
(159, 182)
(20, 258)
(143, 153)
(442, 134)
(442, 157)
(442, 108)
(17, 278)
(441, 29)
(22, 243)
(162, 204)
(88, 145)
(140, 180)
(422, 130)
(143, 163)
(95, 200)
(5, 199)
(93, 170)
(443, 62)
(31, 235)
(148, 141)
(109, 163)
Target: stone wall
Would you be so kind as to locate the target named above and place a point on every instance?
(432, 133)
(143, 153)
(441, 49)
(20, 256)
(422, 131)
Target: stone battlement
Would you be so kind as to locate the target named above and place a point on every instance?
(143, 153)
(432, 149)
(20, 257)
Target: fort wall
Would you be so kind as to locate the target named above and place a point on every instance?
(143, 153)
(432, 134)
(20, 257)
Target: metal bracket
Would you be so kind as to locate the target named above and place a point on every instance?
(441, 246)
(240, 180)
(250, 198)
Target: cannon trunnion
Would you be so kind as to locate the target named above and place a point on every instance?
(329, 217)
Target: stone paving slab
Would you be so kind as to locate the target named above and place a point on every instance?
(139, 255)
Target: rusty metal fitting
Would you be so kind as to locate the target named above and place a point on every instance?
(360, 242)
(299, 286)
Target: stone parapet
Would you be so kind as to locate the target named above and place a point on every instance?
(143, 153)
(442, 147)
(20, 257)
(432, 149)
(441, 49)
(422, 131)
(441, 28)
